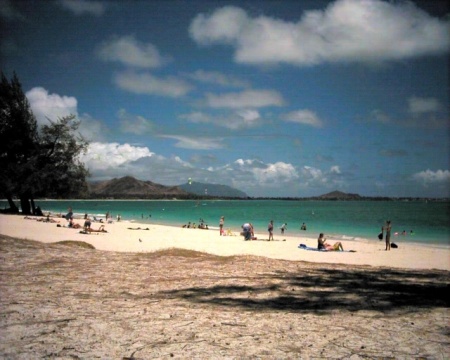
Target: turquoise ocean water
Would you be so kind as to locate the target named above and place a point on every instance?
(348, 220)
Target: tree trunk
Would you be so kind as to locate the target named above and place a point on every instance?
(25, 205)
(12, 206)
(33, 207)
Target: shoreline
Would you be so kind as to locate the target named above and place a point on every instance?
(134, 237)
(318, 217)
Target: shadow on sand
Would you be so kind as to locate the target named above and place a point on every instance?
(324, 288)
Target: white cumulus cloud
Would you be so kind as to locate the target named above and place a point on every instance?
(431, 177)
(217, 78)
(47, 106)
(101, 156)
(335, 169)
(245, 99)
(145, 83)
(50, 106)
(197, 143)
(346, 31)
(224, 25)
(134, 124)
(131, 52)
(241, 118)
(305, 117)
(420, 105)
(275, 173)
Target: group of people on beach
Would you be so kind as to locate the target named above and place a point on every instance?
(248, 230)
(385, 234)
(86, 227)
(193, 225)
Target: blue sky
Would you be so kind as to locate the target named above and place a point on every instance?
(275, 98)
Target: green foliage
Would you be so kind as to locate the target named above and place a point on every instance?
(62, 174)
(37, 162)
(18, 135)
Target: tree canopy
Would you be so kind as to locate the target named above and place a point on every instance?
(37, 161)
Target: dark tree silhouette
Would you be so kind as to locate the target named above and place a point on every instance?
(37, 162)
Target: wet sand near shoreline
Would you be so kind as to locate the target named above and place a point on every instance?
(69, 301)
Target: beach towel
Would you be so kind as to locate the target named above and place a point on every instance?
(309, 248)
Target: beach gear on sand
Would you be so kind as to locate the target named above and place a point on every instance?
(309, 248)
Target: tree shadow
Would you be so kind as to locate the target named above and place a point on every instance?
(322, 290)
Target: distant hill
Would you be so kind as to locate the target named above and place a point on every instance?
(215, 190)
(131, 188)
(338, 195)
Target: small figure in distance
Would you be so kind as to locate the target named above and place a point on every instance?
(247, 231)
(303, 227)
(102, 229)
(73, 224)
(69, 214)
(270, 230)
(87, 224)
(323, 245)
(387, 228)
(221, 223)
(283, 227)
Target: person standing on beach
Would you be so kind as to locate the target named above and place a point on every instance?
(69, 214)
(247, 231)
(283, 227)
(221, 223)
(270, 230)
(387, 228)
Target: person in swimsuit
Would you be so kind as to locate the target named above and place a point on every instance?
(323, 245)
(270, 230)
(221, 223)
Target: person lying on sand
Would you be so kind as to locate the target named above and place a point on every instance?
(88, 230)
(323, 245)
(73, 224)
(100, 229)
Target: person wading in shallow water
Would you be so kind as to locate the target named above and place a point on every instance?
(387, 228)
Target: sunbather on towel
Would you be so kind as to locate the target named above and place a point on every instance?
(322, 244)
(73, 224)
(100, 229)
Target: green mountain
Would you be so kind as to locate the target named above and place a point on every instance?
(130, 188)
(339, 195)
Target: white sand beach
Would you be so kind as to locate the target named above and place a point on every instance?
(271, 300)
(133, 237)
